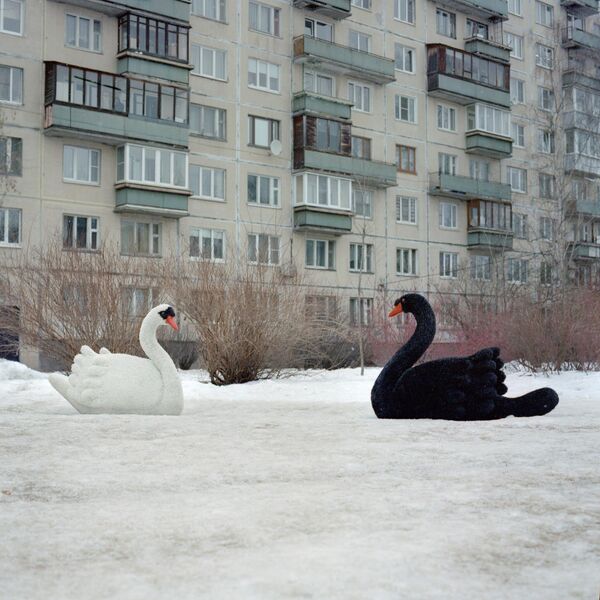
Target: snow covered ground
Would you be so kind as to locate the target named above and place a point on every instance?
(293, 489)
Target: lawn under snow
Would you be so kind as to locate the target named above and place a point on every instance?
(293, 489)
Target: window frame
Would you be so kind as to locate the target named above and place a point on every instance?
(90, 166)
(274, 190)
(411, 106)
(369, 194)
(523, 179)
(413, 262)
(19, 33)
(219, 122)
(412, 54)
(481, 272)
(409, 151)
(200, 49)
(365, 91)
(91, 33)
(221, 10)
(90, 246)
(453, 208)
(269, 66)
(452, 263)
(410, 9)
(213, 171)
(274, 130)
(412, 200)
(154, 234)
(274, 19)
(13, 156)
(448, 18)
(6, 211)
(328, 254)
(12, 88)
(197, 232)
(447, 114)
(271, 250)
(361, 254)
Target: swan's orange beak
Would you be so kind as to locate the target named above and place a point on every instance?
(396, 310)
(171, 321)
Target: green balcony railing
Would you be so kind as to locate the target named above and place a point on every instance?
(488, 48)
(580, 164)
(491, 239)
(318, 219)
(575, 38)
(581, 8)
(479, 142)
(335, 9)
(467, 188)
(488, 9)
(165, 203)
(585, 250)
(173, 9)
(344, 59)
(586, 207)
(305, 102)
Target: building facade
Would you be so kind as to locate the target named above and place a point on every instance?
(411, 142)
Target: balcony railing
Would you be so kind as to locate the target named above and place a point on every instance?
(581, 8)
(574, 38)
(172, 9)
(467, 188)
(335, 9)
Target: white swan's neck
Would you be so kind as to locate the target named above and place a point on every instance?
(171, 392)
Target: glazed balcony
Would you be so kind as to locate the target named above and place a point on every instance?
(343, 59)
(307, 103)
(172, 9)
(315, 218)
(495, 10)
(581, 8)
(463, 77)
(576, 38)
(467, 188)
(488, 131)
(490, 226)
(584, 250)
(334, 9)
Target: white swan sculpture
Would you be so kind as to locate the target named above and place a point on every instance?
(108, 383)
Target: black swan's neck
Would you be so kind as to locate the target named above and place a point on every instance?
(416, 346)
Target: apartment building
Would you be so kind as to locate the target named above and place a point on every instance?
(413, 143)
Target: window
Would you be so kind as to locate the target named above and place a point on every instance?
(520, 225)
(516, 44)
(83, 33)
(263, 190)
(138, 301)
(405, 58)
(329, 135)
(476, 29)
(11, 16)
(446, 23)
(207, 121)
(81, 165)
(446, 117)
(207, 182)
(322, 307)
(150, 36)
(320, 254)
(366, 4)
(359, 41)
(404, 10)
(449, 265)
(11, 85)
(318, 29)
(263, 249)
(263, 75)
(209, 62)
(361, 311)
(545, 141)
(145, 98)
(11, 156)
(546, 229)
(514, 7)
(518, 135)
(545, 273)
(10, 226)
(323, 190)
(545, 98)
(406, 210)
(264, 19)
(517, 270)
(207, 244)
(479, 169)
(80, 233)
(517, 179)
(362, 202)
(544, 56)
(447, 163)
(360, 95)
(209, 9)
(152, 166)
(544, 14)
(261, 131)
(360, 147)
(139, 238)
(480, 267)
(406, 159)
(317, 83)
(406, 109)
(483, 117)
(361, 257)
(517, 91)
(406, 261)
(490, 215)
(448, 215)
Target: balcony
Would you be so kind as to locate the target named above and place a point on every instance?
(307, 103)
(314, 218)
(582, 165)
(575, 38)
(572, 77)
(584, 250)
(464, 78)
(173, 9)
(343, 59)
(495, 10)
(467, 188)
(487, 144)
(492, 240)
(369, 173)
(581, 8)
(335, 9)
(586, 208)
(171, 203)
(488, 49)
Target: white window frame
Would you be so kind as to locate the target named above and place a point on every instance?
(93, 47)
(15, 88)
(404, 11)
(520, 178)
(199, 8)
(365, 306)
(154, 237)
(547, 226)
(272, 26)
(547, 185)
(544, 56)
(446, 118)
(516, 44)
(481, 267)
(359, 40)
(406, 205)
(364, 4)
(545, 98)
(311, 253)
(361, 255)
(520, 227)
(317, 26)
(13, 156)
(208, 62)
(546, 277)
(518, 135)
(159, 155)
(90, 167)
(361, 92)
(367, 201)
(544, 14)
(273, 249)
(314, 77)
(6, 212)
(21, 6)
(407, 257)
(338, 191)
(410, 109)
(447, 163)
(403, 56)
(219, 124)
(213, 235)
(274, 184)
(545, 139)
(517, 270)
(488, 118)
(517, 91)
(213, 173)
(448, 265)
(448, 215)
(270, 71)
(515, 7)
(90, 230)
(445, 23)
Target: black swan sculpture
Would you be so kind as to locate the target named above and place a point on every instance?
(458, 389)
